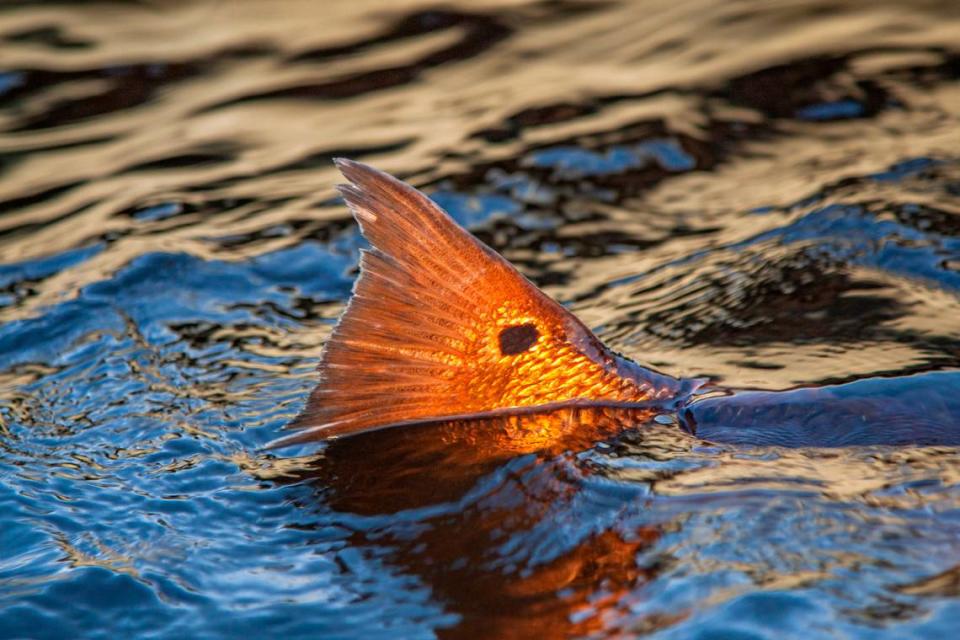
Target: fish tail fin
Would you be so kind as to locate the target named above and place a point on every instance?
(440, 326)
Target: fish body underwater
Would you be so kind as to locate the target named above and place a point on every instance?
(443, 330)
(459, 406)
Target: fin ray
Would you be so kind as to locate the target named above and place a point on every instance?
(421, 338)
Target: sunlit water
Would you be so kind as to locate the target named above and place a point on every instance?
(765, 193)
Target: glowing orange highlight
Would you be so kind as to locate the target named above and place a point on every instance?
(440, 326)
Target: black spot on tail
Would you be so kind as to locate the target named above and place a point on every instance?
(517, 339)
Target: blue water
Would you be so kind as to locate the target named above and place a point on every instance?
(709, 200)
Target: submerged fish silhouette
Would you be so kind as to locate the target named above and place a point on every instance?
(441, 328)
(514, 546)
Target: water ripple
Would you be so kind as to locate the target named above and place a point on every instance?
(765, 193)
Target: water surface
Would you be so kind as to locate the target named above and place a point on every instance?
(765, 193)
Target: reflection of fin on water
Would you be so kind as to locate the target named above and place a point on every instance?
(440, 326)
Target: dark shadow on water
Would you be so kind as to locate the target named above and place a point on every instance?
(489, 515)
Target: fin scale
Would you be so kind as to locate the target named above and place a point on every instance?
(422, 338)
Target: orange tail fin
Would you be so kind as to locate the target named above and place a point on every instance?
(440, 327)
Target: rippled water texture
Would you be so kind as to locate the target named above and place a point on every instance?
(762, 192)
